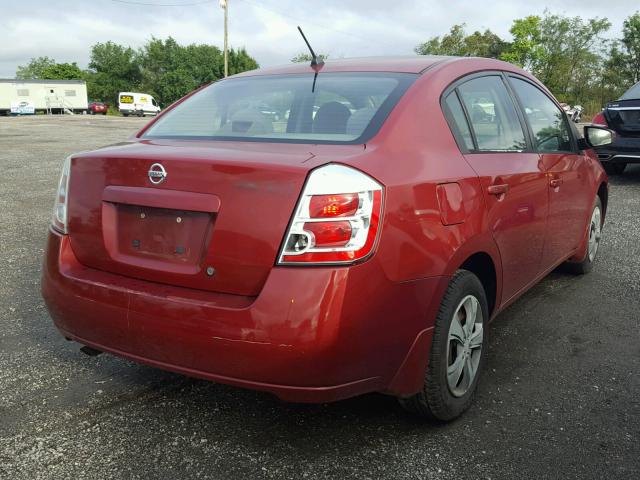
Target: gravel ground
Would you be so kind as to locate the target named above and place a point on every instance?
(561, 398)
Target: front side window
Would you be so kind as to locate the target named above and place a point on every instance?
(337, 108)
(547, 121)
(492, 114)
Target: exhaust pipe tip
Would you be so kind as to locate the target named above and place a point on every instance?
(92, 352)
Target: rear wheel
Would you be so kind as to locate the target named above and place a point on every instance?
(458, 351)
(594, 234)
(614, 168)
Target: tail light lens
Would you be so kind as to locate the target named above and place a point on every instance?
(59, 221)
(599, 119)
(337, 218)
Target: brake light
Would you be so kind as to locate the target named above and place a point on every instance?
(337, 218)
(60, 219)
(600, 119)
(344, 205)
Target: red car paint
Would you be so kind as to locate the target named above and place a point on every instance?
(98, 107)
(308, 333)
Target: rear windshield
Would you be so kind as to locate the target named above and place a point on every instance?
(633, 93)
(338, 108)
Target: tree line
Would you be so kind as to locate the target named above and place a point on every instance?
(570, 55)
(162, 68)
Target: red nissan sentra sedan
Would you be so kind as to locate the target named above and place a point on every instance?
(323, 236)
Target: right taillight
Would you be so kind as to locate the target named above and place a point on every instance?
(599, 119)
(59, 220)
(337, 218)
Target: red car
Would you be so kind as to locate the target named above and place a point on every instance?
(98, 107)
(358, 237)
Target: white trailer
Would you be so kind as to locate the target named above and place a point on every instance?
(49, 96)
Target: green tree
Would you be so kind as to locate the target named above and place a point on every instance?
(35, 67)
(458, 43)
(306, 57)
(162, 68)
(112, 68)
(625, 55)
(526, 49)
(240, 61)
(63, 71)
(565, 53)
(170, 70)
(631, 41)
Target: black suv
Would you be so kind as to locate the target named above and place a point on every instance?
(623, 117)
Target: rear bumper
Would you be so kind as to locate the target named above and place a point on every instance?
(624, 150)
(312, 335)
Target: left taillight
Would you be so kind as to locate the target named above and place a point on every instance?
(599, 119)
(60, 219)
(337, 218)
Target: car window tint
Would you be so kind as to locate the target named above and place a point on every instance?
(632, 94)
(330, 108)
(548, 122)
(460, 125)
(492, 114)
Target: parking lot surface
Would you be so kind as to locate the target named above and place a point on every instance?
(560, 398)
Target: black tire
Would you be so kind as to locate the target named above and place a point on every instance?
(125, 114)
(614, 168)
(436, 401)
(586, 264)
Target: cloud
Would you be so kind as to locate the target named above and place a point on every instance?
(66, 29)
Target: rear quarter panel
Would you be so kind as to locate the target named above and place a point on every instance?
(413, 153)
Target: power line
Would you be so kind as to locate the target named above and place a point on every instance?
(128, 2)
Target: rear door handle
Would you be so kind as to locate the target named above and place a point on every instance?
(500, 189)
(555, 182)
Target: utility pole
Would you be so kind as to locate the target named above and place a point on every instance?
(225, 6)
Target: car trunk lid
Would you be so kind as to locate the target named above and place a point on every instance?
(624, 116)
(215, 222)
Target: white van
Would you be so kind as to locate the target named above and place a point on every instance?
(132, 103)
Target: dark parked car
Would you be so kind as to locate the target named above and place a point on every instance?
(98, 107)
(623, 117)
(344, 251)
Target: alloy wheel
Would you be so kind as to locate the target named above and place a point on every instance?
(464, 348)
(595, 232)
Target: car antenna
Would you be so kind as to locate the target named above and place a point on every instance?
(314, 58)
(316, 63)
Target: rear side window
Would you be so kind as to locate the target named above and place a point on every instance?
(492, 115)
(632, 94)
(332, 108)
(547, 121)
(458, 121)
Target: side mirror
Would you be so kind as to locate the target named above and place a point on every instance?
(598, 136)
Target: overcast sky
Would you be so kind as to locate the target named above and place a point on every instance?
(66, 29)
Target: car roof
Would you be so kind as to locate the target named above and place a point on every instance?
(398, 64)
(414, 64)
